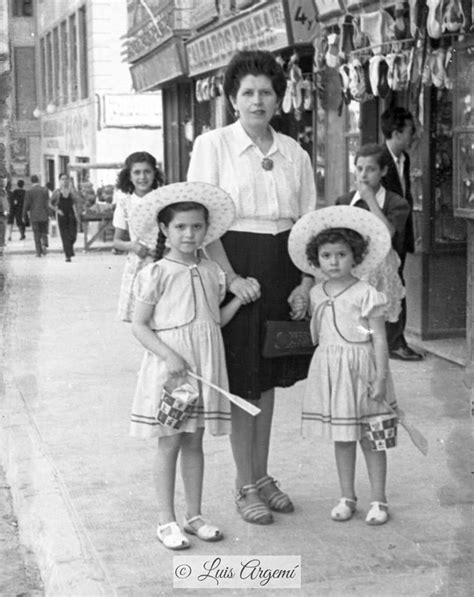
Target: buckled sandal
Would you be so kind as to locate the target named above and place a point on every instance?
(276, 500)
(378, 513)
(171, 536)
(344, 510)
(253, 512)
(203, 530)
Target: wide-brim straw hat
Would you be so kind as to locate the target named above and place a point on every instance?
(143, 218)
(340, 216)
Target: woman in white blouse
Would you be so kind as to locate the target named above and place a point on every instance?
(270, 178)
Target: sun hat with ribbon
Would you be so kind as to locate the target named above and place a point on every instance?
(143, 218)
(340, 216)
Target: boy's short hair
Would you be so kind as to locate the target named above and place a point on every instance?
(395, 119)
(34, 179)
(372, 150)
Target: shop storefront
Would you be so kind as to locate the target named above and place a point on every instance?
(372, 55)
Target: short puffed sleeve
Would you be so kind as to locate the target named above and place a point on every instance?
(148, 284)
(374, 303)
(222, 284)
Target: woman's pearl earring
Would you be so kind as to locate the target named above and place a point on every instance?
(236, 113)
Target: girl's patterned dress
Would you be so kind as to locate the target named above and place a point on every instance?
(337, 394)
(198, 342)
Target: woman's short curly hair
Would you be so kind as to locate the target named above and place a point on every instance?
(253, 62)
(352, 239)
(124, 183)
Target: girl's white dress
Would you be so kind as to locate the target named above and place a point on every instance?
(337, 394)
(199, 342)
(125, 204)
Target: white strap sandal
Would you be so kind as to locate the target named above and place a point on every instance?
(171, 536)
(202, 529)
(344, 509)
(378, 513)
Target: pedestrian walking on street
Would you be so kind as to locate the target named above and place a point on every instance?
(177, 320)
(392, 209)
(271, 181)
(17, 201)
(65, 202)
(398, 128)
(348, 378)
(139, 176)
(4, 209)
(38, 208)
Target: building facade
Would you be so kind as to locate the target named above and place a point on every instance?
(72, 99)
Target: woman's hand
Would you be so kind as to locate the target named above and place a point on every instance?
(245, 289)
(141, 250)
(298, 301)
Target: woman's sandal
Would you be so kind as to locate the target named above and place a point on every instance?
(254, 512)
(276, 500)
(378, 513)
(203, 530)
(344, 509)
(171, 536)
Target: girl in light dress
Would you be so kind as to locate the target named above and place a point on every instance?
(177, 320)
(138, 177)
(349, 377)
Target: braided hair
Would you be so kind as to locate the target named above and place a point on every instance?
(166, 215)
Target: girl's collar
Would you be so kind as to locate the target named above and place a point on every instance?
(333, 296)
(183, 263)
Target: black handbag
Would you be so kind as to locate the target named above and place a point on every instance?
(286, 338)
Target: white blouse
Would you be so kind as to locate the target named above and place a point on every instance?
(266, 201)
(125, 205)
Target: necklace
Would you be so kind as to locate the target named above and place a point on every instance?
(267, 164)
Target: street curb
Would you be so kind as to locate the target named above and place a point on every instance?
(66, 558)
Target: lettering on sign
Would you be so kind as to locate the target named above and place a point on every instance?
(263, 29)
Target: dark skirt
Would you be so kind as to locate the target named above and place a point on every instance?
(265, 258)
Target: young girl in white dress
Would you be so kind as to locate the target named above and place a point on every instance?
(177, 320)
(138, 177)
(348, 377)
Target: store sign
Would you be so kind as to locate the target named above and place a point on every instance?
(132, 110)
(303, 23)
(69, 132)
(204, 12)
(161, 25)
(264, 29)
(165, 64)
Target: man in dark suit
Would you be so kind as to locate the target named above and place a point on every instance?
(37, 204)
(398, 128)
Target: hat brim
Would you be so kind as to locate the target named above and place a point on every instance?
(340, 216)
(143, 218)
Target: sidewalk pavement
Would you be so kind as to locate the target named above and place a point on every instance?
(83, 492)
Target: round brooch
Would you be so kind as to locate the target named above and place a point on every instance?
(267, 164)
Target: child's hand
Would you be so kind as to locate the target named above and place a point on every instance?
(298, 307)
(140, 250)
(378, 390)
(298, 301)
(177, 371)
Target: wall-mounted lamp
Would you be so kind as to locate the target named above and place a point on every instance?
(36, 112)
(50, 108)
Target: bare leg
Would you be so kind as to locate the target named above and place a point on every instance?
(345, 461)
(377, 468)
(243, 431)
(192, 471)
(261, 439)
(165, 476)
